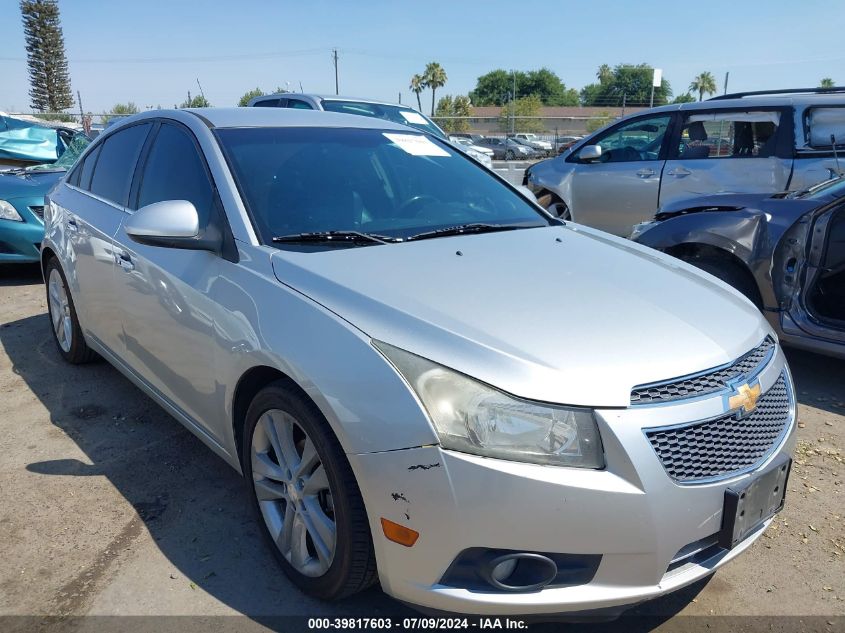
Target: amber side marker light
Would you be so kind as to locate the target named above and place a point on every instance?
(399, 533)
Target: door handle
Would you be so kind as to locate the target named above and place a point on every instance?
(125, 262)
(646, 173)
(679, 172)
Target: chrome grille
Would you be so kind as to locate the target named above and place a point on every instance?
(706, 383)
(38, 210)
(726, 445)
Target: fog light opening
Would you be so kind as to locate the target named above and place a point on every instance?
(520, 572)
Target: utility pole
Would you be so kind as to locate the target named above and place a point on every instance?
(727, 74)
(625, 97)
(513, 105)
(334, 59)
(200, 85)
(81, 113)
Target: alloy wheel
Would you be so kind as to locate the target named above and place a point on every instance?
(60, 310)
(294, 494)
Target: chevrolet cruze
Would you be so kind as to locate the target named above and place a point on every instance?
(423, 377)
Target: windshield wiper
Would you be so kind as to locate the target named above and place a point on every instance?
(336, 236)
(462, 229)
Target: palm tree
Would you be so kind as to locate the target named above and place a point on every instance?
(827, 82)
(434, 78)
(417, 85)
(703, 83)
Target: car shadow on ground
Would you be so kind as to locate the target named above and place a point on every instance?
(192, 504)
(819, 380)
(19, 274)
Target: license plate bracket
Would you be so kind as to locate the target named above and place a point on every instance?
(747, 506)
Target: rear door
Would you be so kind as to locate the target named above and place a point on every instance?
(91, 219)
(621, 188)
(167, 322)
(729, 150)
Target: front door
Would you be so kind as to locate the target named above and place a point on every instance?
(736, 151)
(622, 186)
(168, 331)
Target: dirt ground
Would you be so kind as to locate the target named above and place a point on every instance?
(108, 506)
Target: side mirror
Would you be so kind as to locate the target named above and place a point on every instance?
(170, 224)
(589, 153)
(525, 191)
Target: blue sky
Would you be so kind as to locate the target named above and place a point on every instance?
(152, 52)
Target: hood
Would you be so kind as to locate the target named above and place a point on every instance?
(559, 314)
(26, 184)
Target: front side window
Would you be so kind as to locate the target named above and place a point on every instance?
(729, 135)
(116, 165)
(823, 123)
(638, 140)
(395, 184)
(175, 171)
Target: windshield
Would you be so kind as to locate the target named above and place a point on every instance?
(74, 149)
(387, 183)
(395, 113)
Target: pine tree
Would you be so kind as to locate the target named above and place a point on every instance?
(49, 80)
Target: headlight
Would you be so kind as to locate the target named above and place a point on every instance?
(641, 228)
(472, 417)
(8, 212)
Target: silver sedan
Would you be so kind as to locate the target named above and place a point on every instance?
(364, 322)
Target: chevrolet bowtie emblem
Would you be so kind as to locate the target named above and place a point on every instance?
(744, 398)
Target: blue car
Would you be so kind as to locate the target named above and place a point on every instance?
(22, 194)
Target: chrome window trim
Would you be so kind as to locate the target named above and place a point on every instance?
(97, 198)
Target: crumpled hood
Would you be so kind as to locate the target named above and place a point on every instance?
(559, 314)
(33, 183)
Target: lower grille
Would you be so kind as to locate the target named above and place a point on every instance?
(724, 446)
(38, 210)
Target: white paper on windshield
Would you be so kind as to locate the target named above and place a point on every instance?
(416, 144)
(413, 117)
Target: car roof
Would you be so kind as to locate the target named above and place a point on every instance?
(272, 117)
(320, 97)
(753, 101)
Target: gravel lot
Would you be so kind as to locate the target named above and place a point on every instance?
(108, 506)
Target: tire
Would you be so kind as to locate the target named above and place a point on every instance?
(730, 274)
(554, 206)
(63, 320)
(307, 501)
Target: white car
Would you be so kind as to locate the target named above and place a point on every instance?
(483, 155)
(532, 140)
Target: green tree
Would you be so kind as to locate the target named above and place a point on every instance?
(434, 77)
(49, 80)
(462, 108)
(684, 98)
(197, 101)
(827, 82)
(443, 113)
(625, 83)
(511, 115)
(598, 121)
(703, 83)
(416, 86)
(255, 92)
(495, 87)
(120, 109)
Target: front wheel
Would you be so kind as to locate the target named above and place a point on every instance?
(65, 325)
(306, 496)
(731, 274)
(555, 206)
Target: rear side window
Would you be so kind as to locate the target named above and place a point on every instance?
(822, 123)
(267, 103)
(174, 170)
(729, 135)
(299, 105)
(116, 166)
(84, 171)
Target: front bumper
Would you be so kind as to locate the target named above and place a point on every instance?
(20, 242)
(632, 514)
